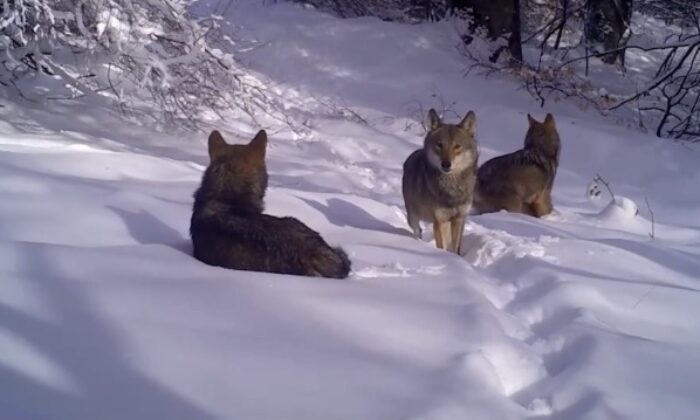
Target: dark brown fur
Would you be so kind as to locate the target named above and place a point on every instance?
(521, 182)
(229, 229)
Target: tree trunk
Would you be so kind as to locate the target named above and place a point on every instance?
(500, 18)
(514, 39)
(608, 28)
(431, 10)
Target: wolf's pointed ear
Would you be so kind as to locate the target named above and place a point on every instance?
(257, 146)
(469, 122)
(433, 119)
(217, 145)
(531, 121)
(549, 120)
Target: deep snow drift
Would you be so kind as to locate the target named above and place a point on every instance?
(582, 315)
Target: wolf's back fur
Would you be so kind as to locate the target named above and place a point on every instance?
(433, 195)
(229, 229)
(521, 182)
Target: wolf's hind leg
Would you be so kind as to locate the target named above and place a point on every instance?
(529, 209)
(542, 205)
(514, 205)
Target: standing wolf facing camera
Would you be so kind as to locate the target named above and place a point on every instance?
(438, 180)
(229, 228)
(521, 182)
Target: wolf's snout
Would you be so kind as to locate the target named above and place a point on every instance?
(446, 166)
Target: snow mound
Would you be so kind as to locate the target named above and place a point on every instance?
(622, 214)
(619, 211)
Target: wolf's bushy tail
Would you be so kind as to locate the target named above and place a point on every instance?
(331, 262)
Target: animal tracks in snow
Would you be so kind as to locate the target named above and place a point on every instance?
(542, 344)
(484, 247)
(544, 306)
(397, 270)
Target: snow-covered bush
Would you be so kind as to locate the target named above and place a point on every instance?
(131, 50)
(566, 40)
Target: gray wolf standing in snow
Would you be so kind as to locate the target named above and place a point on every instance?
(229, 229)
(521, 182)
(438, 180)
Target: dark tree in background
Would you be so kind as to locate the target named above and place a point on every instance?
(428, 9)
(499, 18)
(607, 28)
(392, 10)
(606, 22)
(562, 38)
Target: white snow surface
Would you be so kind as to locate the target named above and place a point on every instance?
(104, 314)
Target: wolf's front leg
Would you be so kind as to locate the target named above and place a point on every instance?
(457, 228)
(443, 236)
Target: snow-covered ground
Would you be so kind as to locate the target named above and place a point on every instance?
(583, 315)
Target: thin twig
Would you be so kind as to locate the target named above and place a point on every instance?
(651, 212)
(600, 179)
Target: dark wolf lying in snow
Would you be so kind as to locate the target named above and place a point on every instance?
(229, 229)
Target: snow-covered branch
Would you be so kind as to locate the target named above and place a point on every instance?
(133, 50)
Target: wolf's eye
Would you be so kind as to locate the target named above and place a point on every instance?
(438, 146)
(457, 148)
